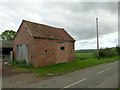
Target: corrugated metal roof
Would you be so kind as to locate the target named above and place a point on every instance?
(45, 31)
(6, 44)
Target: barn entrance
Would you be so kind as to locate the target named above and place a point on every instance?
(22, 52)
(62, 53)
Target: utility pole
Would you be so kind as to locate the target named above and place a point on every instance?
(97, 38)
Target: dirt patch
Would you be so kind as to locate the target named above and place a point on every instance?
(12, 78)
(7, 69)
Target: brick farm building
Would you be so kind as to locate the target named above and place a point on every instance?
(42, 45)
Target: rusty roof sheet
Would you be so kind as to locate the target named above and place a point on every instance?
(45, 31)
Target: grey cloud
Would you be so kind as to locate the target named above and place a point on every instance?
(88, 42)
(79, 18)
(84, 7)
(76, 17)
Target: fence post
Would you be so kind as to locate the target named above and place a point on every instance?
(11, 55)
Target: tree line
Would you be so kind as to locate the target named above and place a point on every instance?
(109, 52)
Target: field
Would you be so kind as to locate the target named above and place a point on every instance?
(83, 60)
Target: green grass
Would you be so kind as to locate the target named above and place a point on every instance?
(83, 60)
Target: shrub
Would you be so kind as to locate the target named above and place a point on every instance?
(107, 52)
(21, 64)
(118, 50)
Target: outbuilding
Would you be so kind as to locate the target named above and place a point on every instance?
(42, 45)
(6, 47)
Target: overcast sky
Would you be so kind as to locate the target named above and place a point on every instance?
(78, 19)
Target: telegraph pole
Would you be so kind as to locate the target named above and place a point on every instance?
(97, 38)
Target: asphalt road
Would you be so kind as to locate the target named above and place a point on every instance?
(100, 76)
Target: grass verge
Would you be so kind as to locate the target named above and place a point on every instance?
(83, 60)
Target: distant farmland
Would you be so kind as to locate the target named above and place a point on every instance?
(86, 51)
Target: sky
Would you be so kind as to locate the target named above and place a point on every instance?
(77, 17)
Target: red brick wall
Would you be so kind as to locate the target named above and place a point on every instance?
(23, 37)
(44, 52)
(71, 52)
(62, 55)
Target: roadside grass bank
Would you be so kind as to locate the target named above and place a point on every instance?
(83, 60)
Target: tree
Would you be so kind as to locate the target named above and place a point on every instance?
(8, 35)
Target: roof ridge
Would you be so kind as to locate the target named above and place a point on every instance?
(47, 31)
(42, 24)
